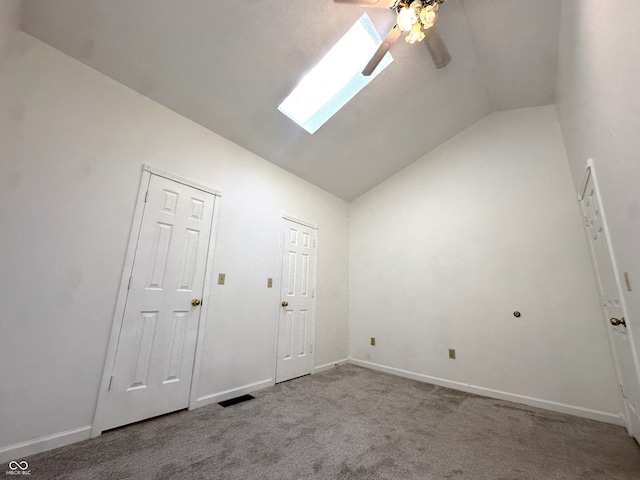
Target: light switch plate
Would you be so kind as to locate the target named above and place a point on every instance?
(452, 353)
(269, 282)
(221, 277)
(373, 341)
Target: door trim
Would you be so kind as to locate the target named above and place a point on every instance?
(297, 220)
(278, 288)
(590, 173)
(170, 176)
(127, 268)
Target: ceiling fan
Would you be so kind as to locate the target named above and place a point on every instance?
(414, 16)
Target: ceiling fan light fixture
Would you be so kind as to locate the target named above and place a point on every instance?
(428, 16)
(416, 17)
(416, 34)
(406, 19)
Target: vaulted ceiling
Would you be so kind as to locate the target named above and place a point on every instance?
(227, 65)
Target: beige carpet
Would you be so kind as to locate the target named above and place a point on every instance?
(353, 423)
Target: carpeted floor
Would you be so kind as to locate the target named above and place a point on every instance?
(353, 423)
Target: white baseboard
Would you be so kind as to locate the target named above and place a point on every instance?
(500, 395)
(42, 444)
(329, 366)
(231, 393)
(21, 450)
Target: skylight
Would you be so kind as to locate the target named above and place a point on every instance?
(336, 79)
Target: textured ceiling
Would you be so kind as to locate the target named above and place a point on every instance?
(227, 65)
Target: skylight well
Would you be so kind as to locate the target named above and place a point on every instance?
(336, 79)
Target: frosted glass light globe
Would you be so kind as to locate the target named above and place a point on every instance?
(406, 19)
(428, 16)
(416, 34)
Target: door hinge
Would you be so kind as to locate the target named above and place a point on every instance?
(146, 195)
(622, 391)
(110, 382)
(130, 280)
(311, 351)
(313, 293)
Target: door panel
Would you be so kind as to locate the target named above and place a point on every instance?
(611, 300)
(154, 358)
(296, 329)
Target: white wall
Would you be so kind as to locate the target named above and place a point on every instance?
(445, 251)
(598, 105)
(73, 144)
(9, 21)
(10, 12)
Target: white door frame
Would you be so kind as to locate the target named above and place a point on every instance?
(590, 173)
(118, 315)
(278, 288)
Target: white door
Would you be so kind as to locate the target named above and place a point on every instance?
(155, 353)
(296, 326)
(612, 303)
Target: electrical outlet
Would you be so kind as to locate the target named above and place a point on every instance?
(452, 353)
(373, 341)
(221, 277)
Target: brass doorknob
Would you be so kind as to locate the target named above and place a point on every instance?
(195, 302)
(615, 322)
(285, 304)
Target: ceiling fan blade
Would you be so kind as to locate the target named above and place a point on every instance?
(437, 48)
(370, 3)
(384, 47)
